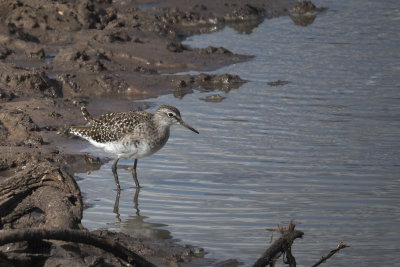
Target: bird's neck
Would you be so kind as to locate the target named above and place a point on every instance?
(161, 126)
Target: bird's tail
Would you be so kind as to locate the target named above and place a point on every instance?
(82, 131)
(87, 116)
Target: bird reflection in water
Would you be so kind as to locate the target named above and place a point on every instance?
(135, 203)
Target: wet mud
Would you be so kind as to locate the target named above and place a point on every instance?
(56, 56)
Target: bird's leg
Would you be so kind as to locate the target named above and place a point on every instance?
(134, 174)
(136, 200)
(116, 206)
(114, 170)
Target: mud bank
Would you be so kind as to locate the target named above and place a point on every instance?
(56, 56)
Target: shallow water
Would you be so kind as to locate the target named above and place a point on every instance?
(323, 150)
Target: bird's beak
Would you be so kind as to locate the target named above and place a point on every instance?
(181, 122)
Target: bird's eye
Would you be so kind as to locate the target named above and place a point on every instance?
(170, 114)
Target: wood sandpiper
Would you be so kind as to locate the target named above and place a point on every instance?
(130, 135)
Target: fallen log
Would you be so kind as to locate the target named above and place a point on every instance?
(40, 188)
(78, 236)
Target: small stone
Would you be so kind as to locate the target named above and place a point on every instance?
(213, 98)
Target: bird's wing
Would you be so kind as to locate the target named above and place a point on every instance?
(126, 120)
(112, 126)
(119, 124)
(95, 133)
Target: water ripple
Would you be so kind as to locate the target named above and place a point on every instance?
(323, 149)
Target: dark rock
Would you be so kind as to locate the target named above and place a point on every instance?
(213, 98)
(179, 83)
(176, 47)
(247, 26)
(214, 50)
(174, 16)
(112, 84)
(93, 16)
(206, 82)
(246, 12)
(203, 77)
(229, 79)
(224, 82)
(95, 66)
(181, 92)
(302, 8)
(304, 13)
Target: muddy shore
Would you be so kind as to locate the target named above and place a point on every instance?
(56, 56)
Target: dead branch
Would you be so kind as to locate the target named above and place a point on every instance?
(331, 253)
(78, 236)
(24, 191)
(282, 245)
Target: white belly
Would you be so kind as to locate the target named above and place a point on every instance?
(128, 151)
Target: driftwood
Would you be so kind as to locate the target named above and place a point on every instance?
(330, 254)
(282, 245)
(31, 189)
(78, 236)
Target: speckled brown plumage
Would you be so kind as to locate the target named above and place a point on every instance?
(114, 126)
(131, 135)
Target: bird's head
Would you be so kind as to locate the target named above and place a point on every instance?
(170, 115)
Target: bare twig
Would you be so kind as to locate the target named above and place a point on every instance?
(282, 245)
(289, 258)
(331, 253)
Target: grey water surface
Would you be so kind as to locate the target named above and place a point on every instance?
(323, 149)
